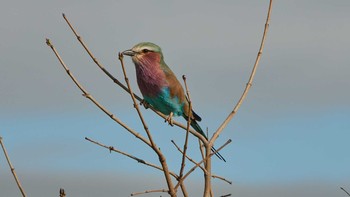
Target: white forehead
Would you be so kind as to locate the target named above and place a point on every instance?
(140, 48)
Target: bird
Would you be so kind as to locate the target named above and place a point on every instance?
(159, 86)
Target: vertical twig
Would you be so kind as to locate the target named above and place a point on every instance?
(207, 176)
(249, 84)
(162, 159)
(189, 112)
(12, 168)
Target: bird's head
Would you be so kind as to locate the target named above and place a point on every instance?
(144, 52)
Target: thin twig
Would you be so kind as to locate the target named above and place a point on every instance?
(149, 191)
(221, 178)
(111, 148)
(345, 191)
(162, 159)
(250, 81)
(80, 39)
(91, 98)
(12, 169)
(115, 80)
(189, 112)
(199, 163)
(200, 143)
(226, 195)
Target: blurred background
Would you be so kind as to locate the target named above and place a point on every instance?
(290, 136)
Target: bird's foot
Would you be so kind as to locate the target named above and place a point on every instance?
(169, 119)
(145, 104)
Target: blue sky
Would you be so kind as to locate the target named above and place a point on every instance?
(290, 137)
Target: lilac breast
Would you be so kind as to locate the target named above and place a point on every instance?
(150, 78)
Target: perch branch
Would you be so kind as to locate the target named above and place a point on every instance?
(250, 81)
(92, 99)
(149, 191)
(12, 169)
(115, 80)
(162, 159)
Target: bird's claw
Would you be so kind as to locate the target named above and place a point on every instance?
(144, 103)
(169, 119)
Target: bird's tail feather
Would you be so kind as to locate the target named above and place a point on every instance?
(196, 127)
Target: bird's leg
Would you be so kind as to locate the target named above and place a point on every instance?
(144, 103)
(169, 119)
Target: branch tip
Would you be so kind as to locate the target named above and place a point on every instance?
(48, 42)
(120, 56)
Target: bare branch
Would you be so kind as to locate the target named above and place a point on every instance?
(111, 148)
(80, 39)
(221, 178)
(345, 191)
(226, 195)
(250, 81)
(12, 169)
(91, 98)
(149, 191)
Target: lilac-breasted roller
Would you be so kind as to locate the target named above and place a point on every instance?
(159, 85)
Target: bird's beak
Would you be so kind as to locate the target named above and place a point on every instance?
(129, 52)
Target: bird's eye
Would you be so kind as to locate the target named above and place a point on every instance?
(145, 50)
